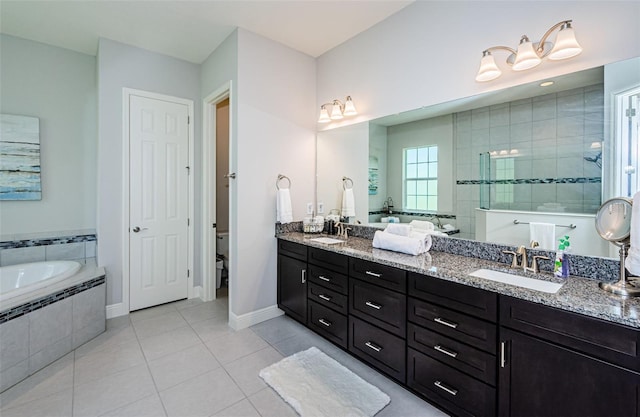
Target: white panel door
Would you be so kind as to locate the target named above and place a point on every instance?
(158, 212)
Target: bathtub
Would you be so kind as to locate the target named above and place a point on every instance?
(19, 279)
(47, 309)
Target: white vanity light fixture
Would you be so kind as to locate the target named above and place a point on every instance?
(338, 110)
(530, 54)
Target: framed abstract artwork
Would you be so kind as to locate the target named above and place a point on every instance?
(19, 158)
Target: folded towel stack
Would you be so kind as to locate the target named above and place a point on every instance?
(402, 238)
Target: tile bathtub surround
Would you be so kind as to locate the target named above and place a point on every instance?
(47, 249)
(33, 340)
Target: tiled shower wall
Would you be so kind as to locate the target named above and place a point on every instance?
(551, 134)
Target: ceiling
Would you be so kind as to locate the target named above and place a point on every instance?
(191, 30)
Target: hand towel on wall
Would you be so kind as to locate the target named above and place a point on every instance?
(632, 263)
(348, 203)
(396, 243)
(284, 212)
(544, 234)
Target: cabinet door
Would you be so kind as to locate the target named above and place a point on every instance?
(292, 287)
(537, 378)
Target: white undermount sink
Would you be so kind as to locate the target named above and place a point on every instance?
(518, 281)
(327, 240)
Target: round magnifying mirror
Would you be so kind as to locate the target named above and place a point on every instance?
(613, 220)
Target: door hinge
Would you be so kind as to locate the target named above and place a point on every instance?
(188, 222)
(188, 272)
(213, 225)
(631, 112)
(188, 170)
(188, 119)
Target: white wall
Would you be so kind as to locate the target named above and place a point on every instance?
(347, 150)
(275, 135)
(58, 86)
(122, 66)
(429, 52)
(435, 131)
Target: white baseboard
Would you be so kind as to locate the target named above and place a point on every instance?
(196, 292)
(249, 319)
(116, 310)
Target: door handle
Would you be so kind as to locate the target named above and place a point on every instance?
(231, 175)
(304, 276)
(503, 357)
(137, 229)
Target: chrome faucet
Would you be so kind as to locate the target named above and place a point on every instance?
(343, 231)
(438, 222)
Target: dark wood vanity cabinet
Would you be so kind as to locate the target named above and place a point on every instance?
(377, 316)
(467, 350)
(558, 363)
(292, 280)
(451, 338)
(327, 295)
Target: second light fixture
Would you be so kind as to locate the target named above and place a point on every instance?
(338, 110)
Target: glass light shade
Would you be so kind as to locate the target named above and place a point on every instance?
(336, 112)
(526, 57)
(349, 108)
(488, 69)
(566, 45)
(324, 115)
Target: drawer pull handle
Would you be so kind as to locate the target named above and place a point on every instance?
(322, 277)
(445, 351)
(324, 297)
(444, 388)
(445, 322)
(373, 274)
(373, 347)
(373, 305)
(324, 322)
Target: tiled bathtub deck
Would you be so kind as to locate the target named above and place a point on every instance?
(182, 359)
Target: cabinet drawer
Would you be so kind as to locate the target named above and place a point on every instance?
(469, 300)
(449, 387)
(331, 260)
(609, 341)
(458, 326)
(382, 275)
(474, 362)
(293, 250)
(329, 279)
(328, 298)
(384, 308)
(328, 323)
(378, 348)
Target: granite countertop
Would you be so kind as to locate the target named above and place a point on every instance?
(579, 295)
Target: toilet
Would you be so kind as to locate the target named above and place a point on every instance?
(222, 249)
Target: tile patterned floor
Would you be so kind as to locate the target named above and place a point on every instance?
(182, 360)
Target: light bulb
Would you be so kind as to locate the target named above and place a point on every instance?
(488, 69)
(526, 56)
(324, 115)
(566, 45)
(349, 107)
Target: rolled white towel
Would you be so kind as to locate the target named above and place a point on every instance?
(398, 229)
(422, 225)
(396, 243)
(424, 236)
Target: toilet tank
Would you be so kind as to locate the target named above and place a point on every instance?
(222, 243)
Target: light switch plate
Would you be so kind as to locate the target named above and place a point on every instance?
(320, 207)
(309, 208)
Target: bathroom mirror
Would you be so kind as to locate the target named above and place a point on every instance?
(613, 220)
(558, 153)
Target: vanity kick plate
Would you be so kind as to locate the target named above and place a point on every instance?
(327, 240)
(530, 283)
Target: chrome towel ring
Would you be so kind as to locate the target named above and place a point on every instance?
(280, 178)
(347, 183)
